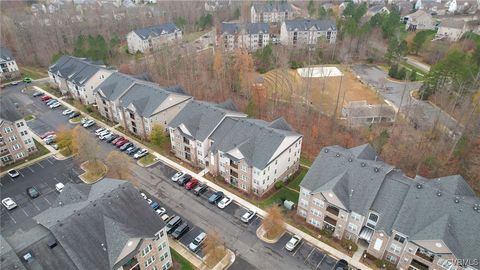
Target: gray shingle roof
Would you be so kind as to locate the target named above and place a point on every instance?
(146, 98)
(115, 85)
(272, 7)
(74, 69)
(422, 209)
(256, 140)
(8, 257)
(248, 28)
(94, 231)
(305, 25)
(156, 30)
(350, 173)
(5, 55)
(202, 118)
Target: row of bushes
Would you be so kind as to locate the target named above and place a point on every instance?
(401, 73)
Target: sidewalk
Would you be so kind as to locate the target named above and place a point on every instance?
(335, 253)
(186, 254)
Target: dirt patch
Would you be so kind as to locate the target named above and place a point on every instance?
(320, 93)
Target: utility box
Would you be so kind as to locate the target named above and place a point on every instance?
(289, 204)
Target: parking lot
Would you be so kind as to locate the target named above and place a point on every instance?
(42, 175)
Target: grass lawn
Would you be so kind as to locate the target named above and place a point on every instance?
(282, 194)
(190, 37)
(305, 161)
(42, 150)
(183, 264)
(50, 89)
(147, 160)
(420, 73)
(298, 177)
(28, 117)
(33, 72)
(76, 119)
(93, 171)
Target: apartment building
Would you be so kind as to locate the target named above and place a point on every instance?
(151, 38)
(16, 141)
(8, 65)
(248, 36)
(419, 20)
(270, 12)
(194, 124)
(252, 154)
(138, 105)
(414, 223)
(78, 77)
(303, 32)
(107, 225)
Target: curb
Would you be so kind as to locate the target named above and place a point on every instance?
(81, 176)
(155, 161)
(259, 232)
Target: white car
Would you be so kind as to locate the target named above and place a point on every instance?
(293, 243)
(98, 131)
(165, 217)
(89, 123)
(224, 202)
(103, 136)
(67, 112)
(144, 196)
(141, 153)
(149, 201)
(104, 133)
(55, 105)
(160, 211)
(84, 120)
(248, 216)
(177, 176)
(50, 137)
(59, 186)
(13, 173)
(9, 203)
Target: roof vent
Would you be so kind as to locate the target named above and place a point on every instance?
(439, 193)
(376, 169)
(419, 186)
(350, 159)
(337, 155)
(363, 164)
(456, 200)
(326, 150)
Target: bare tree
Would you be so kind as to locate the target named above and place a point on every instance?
(119, 166)
(273, 224)
(214, 249)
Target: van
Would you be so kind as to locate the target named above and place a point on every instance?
(197, 242)
(180, 231)
(173, 224)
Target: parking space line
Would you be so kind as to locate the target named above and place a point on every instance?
(35, 206)
(14, 221)
(75, 171)
(49, 161)
(309, 255)
(40, 164)
(333, 267)
(25, 212)
(30, 169)
(299, 247)
(318, 265)
(47, 200)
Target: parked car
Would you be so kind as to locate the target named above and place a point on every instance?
(293, 243)
(341, 265)
(224, 202)
(125, 146)
(180, 231)
(9, 203)
(197, 242)
(117, 139)
(199, 189)
(50, 140)
(160, 211)
(105, 135)
(13, 173)
(173, 224)
(67, 112)
(155, 205)
(248, 216)
(165, 217)
(111, 138)
(38, 94)
(191, 184)
(140, 153)
(144, 196)
(98, 131)
(51, 101)
(33, 192)
(131, 150)
(55, 146)
(14, 83)
(89, 123)
(121, 142)
(182, 181)
(55, 105)
(74, 114)
(59, 186)
(46, 134)
(83, 120)
(45, 98)
(215, 197)
(177, 176)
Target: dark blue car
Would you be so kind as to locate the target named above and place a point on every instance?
(215, 197)
(155, 205)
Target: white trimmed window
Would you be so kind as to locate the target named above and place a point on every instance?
(303, 213)
(391, 258)
(319, 203)
(355, 216)
(146, 250)
(149, 261)
(395, 249)
(304, 203)
(352, 227)
(316, 213)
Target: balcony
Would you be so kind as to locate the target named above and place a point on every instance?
(186, 149)
(333, 210)
(233, 164)
(186, 141)
(416, 265)
(131, 265)
(426, 255)
(234, 173)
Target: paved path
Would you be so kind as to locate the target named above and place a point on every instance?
(308, 238)
(414, 62)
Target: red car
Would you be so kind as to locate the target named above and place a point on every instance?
(114, 142)
(121, 142)
(191, 184)
(45, 98)
(46, 134)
